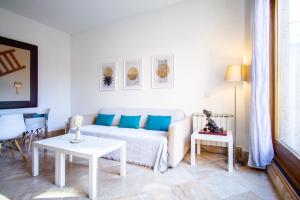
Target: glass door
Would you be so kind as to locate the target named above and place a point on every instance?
(288, 74)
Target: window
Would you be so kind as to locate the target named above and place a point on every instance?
(288, 68)
(285, 87)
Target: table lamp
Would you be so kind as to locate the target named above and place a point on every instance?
(235, 74)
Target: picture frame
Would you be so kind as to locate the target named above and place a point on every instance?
(163, 71)
(107, 76)
(133, 74)
(18, 74)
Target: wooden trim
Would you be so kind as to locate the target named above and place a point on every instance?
(282, 185)
(289, 163)
(56, 133)
(272, 65)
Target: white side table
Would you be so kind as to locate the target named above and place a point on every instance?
(216, 138)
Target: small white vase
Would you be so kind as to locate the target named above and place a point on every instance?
(78, 134)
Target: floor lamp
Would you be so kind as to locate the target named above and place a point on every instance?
(235, 74)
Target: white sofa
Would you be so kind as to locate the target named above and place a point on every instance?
(156, 149)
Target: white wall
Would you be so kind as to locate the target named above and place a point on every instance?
(53, 64)
(247, 60)
(204, 37)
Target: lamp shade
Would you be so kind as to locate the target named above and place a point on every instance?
(234, 73)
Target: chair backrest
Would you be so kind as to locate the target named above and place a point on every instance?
(35, 123)
(44, 112)
(37, 120)
(11, 126)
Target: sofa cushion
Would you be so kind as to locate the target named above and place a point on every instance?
(104, 119)
(175, 114)
(159, 123)
(130, 121)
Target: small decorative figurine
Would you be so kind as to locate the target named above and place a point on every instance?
(18, 85)
(211, 124)
(78, 119)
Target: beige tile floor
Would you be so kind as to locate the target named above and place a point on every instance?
(208, 180)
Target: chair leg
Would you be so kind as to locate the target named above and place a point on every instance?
(0, 148)
(11, 148)
(20, 150)
(23, 142)
(29, 145)
(24, 139)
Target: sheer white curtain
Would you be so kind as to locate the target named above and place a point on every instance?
(261, 149)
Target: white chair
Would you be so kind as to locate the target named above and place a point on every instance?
(36, 126)
(12, 127)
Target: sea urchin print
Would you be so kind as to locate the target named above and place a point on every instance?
(107, 80)
(108, 76)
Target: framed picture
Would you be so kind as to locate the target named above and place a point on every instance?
(163, 71)
(133, 74)
(18, 74)
(107, 76)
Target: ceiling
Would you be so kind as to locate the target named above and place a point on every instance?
(74, 16)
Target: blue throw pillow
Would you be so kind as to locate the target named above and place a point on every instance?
(104, 120)
(158, 123)
(130, 121)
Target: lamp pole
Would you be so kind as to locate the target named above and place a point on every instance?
(234, 73)
(234, 139)
(236, 162)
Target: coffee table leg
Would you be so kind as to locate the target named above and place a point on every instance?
(60, 169)
(192, 152)
(93, 162)
(35, 161)
(123, 161)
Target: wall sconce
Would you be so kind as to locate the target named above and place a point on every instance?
(18, 85)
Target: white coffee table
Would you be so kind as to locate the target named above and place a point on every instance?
(217, 138)
(92, 148)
